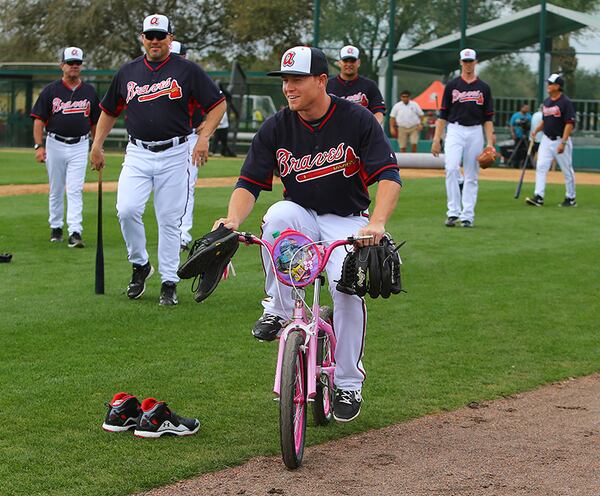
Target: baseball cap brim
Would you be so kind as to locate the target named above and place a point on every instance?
(290, 73)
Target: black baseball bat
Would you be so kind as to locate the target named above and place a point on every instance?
(99, 243)
(525, 162)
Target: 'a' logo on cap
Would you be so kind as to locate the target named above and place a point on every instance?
(74, 51)
(154, 20)
(350, 50)
(288, 60)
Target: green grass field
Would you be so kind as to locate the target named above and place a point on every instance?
(491, 311)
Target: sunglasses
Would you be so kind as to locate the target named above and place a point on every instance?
(73, 62)
(155, 35)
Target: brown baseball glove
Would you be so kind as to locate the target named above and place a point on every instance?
(487, 157)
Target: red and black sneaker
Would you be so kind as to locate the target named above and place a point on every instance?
(158, 419)
(123, 413)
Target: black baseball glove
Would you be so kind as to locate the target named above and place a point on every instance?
(207, 260)
(372, 269)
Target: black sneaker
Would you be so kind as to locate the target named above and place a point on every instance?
(168, 294)
(346, 405)
(158, 419)
(56, 235)
(75, 241)
(137, 285)
(466, 223)
(268, 327)
(451, 221)
(536, 201)
(123, 413)
(569, 202)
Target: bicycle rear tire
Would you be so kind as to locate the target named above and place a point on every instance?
(292, 401)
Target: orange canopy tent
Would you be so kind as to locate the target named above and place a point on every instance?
(431, 98)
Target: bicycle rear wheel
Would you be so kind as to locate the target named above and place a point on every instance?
(322, 407)
(292, 401)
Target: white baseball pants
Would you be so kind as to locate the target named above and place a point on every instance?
(350, 312)
(547, 153)
(188, 217)
(462, 145)
(165, 173)
(66, 166)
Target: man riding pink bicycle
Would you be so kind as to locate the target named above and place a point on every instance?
(328, 151)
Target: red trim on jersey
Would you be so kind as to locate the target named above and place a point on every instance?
(159, 65)
(38, 117)
(328, 116)
(267, 186)
(120, 106)
(308, 126)
(69, 88)
(371, 179)
(213, 105)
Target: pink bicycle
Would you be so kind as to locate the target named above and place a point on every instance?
(306, 358)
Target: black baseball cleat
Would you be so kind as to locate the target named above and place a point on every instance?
(75, 241)
(123, 413)
(140, 275)
(451, 221)
(157, 419)
(466, 223)
(346, 405)
(568, 202)
(536, 201)
(56, 235)
(168, 294)
(268, 327)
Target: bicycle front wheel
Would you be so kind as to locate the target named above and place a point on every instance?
(323, 404)
(292, 401)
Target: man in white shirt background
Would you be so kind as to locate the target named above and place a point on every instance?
(406, 122)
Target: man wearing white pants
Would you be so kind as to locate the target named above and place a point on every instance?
(68, 109)
(557, 124)
(467, 107)
(158, 90)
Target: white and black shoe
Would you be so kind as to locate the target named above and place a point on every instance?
(451, 221)
(56, 235)
(157, 419)
(123, 413)
(346, 405)
(568, 202)
(75, 241)
(466, 223)
(168, 294)
(137, 285)
(268, 327)
(535, 201)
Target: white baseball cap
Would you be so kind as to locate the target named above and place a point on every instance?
(349, 52)
(302, 61)
(468, 55)
(157, 22)
(72, 53)
(556, 79)
(178, 48)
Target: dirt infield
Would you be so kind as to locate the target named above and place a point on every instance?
(543, 442)
(554, 177)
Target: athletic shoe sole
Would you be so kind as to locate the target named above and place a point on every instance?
(116, 428)
(78, 244)
(343, 420)
(144, 288)
(533, 203)
(171, 432)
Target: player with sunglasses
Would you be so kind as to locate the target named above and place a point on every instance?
(68, 109)
(159, 92)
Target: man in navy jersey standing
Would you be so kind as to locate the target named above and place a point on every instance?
(68, 109)
(327, 150)
(468, 109)
(351, 86)
(159, 91)
(557, 123)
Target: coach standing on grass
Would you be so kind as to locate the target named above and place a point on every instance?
(159, 92)
(468, 109)
(68, 109)
(558, 121)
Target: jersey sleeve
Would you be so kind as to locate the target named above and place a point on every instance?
(260, 162)
(42, 107)
(113, 102)
(489, 104)
(446, 101)
(376, 152)
(204, 90)
(569, 112)
(95, 109)
(376, 102)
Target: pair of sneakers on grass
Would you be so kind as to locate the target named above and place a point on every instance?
(150, 418)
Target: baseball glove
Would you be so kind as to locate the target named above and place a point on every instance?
(372, 269)
(487, 157)
(208, 259)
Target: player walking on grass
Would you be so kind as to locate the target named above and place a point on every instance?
(159, 92)
(557, 123)
(327, 150)
(68, 109)
(468, 109)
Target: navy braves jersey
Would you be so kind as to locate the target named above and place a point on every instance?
(359, 90)
(467, 104)
(556, 114)
(326, 168)
(161, 100)
(69, 112)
